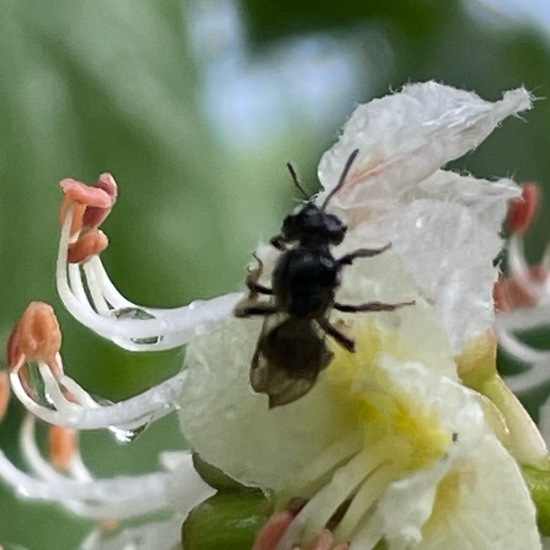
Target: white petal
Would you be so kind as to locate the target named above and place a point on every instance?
(232, 427)
(405, 137)
(492, 507)
(455, 405)
(446, 239)
(453, 506)
(385, 278)
(448, 249)
(404, 509)
(449, 252)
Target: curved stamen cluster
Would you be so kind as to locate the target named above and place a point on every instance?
(64, 479)
(38, 380)
(34, 351)
(522, 298)
(88, 293)
(90, 296)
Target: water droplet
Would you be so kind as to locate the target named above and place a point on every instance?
(127, 435)
(140, 315)
(123, 434)
(32, 378)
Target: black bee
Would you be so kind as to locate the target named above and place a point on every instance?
(291, 350)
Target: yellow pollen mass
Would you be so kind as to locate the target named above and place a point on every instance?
(412, 433)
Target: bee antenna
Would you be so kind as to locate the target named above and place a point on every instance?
(297, 183)
(342, 179)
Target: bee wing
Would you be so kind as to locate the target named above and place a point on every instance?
(280, 388)
(282, 365)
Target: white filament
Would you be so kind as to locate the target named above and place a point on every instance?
(520, 272)
(161, 534)
(171, 327)
(120, 497)
(148, 406)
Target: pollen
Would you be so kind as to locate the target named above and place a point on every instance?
(413, 432)
(37, 337)
(92, 204)
(524, 209)
(4, 393)
(63, 446)
(90, 244)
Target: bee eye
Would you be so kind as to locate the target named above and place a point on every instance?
(336, 229)
(291, 227)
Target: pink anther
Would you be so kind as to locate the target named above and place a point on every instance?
(90, 244)
(522, 210)
(63, 443)
(272, 532)
(4, 393)
(38, 336)
(92, 204)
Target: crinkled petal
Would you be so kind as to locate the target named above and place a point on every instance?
(405, 137)
(446, 240)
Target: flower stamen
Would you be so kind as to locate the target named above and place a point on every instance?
(92, 204)
(523, 209)
(36, 339)
(272, 532)
(156, 329)
(90, 244)
(63, 446)
(345, 483)
(4, 393)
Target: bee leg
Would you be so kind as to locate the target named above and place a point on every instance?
(253, 277)
(250, 308)
(362, 253)
(370, 306)
(345, 341)
(258, 289)
(278, 242)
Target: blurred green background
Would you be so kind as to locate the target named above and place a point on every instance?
(195, 108)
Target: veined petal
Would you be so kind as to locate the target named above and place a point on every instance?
(405, 137)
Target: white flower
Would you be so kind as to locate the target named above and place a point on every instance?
(387, 432)
(388, 436)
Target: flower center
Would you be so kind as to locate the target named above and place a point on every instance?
(396, 433)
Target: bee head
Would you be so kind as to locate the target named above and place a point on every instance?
(313, 226)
